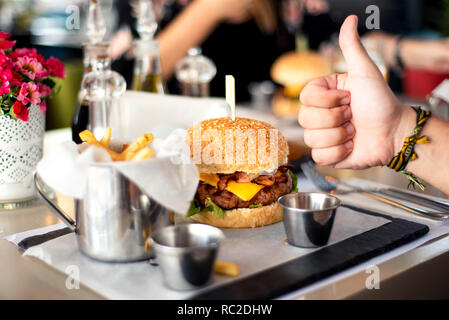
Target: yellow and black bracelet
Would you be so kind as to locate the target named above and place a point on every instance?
(407, 153)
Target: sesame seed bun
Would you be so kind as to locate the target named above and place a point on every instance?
(244, 154)
(244, 218)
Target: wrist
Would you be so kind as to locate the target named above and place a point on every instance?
(405, 127)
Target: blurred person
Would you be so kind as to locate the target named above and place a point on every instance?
(242, 37)
(423, 54)
(354, 121)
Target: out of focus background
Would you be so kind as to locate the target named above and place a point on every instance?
(406, 38)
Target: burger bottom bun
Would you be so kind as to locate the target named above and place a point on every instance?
(244, 217)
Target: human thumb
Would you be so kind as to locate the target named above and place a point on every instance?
(357, 59)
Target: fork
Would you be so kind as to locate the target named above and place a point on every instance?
(331, 185)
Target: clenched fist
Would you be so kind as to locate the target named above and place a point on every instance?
(353, 120)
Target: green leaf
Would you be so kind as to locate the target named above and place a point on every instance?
(193, 209)
(12, 114)
(49, 82)
(212, 207)
(294, 181)
(253, 206)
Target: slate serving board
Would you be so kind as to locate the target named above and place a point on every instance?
(300, 272)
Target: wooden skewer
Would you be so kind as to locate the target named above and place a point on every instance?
(230, 94)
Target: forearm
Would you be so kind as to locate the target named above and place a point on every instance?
(188, 30)
(413, 53)
(432, 164)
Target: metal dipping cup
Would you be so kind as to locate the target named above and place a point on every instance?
(186, 254)
(308, 218)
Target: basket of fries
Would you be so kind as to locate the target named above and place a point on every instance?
(161, 168)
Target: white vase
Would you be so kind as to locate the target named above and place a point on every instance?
(20, 151)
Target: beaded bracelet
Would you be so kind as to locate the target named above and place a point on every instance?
(407, 153)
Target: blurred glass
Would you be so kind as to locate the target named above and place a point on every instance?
(95, 25)
(261, 94)
(146, 24)
(194, 73)
(438, 100)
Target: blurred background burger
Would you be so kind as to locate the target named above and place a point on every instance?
(292, 71)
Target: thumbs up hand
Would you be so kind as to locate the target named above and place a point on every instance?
(353, 120)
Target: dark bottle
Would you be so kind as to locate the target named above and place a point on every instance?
(80, 120)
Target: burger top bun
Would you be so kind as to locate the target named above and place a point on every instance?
(298, 68)
(234, 151)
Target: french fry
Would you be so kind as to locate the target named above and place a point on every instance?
(143, 154)
(106, 138)
(133, 152)
(88, 136)
(135, 146)
(226, 268)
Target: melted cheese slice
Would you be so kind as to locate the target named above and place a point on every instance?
(245, 191)
(210, 178)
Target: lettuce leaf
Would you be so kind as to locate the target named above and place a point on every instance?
(252, 206)
(294, 181)
(193, 209)
(210, 206)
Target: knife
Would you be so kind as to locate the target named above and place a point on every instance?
(41, 238)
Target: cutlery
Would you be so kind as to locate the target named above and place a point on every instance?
(416, 198)
(331, 185)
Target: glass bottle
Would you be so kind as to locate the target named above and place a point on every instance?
(102, 89)
(147, 69)
(93, 51)
(194, 73)
(95, 59)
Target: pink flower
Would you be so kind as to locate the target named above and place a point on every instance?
(4, 59)
(24, 52)
(17, 79)
(5, 78)
(4, 35)
(43, 90)
(6, 44)
(31, 67)
(55, 67)
(29, 92)
(6, 74)
(43, 106)
(20, 110)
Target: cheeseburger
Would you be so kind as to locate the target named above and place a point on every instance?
(242, 172)
(292, 71)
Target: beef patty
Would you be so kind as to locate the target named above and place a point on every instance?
(275, 186)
